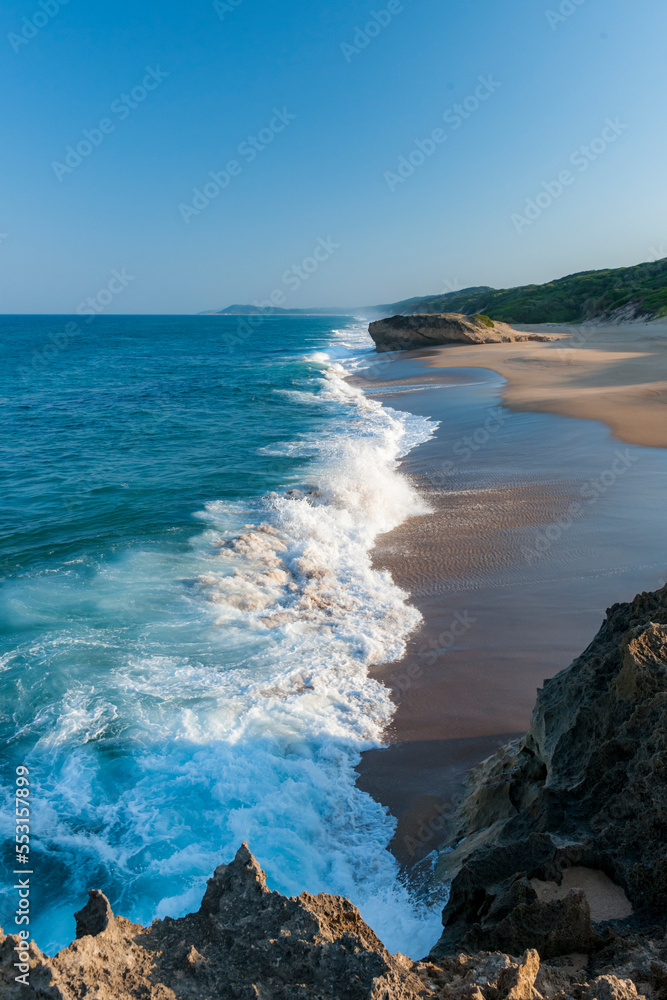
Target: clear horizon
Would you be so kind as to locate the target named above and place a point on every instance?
(183, 162)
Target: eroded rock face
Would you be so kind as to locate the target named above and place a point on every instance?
(586, 787)
(401, 333)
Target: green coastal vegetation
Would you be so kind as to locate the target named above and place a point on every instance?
(641, 289)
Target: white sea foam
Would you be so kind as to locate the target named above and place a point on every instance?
(246, 701)
(305, 572)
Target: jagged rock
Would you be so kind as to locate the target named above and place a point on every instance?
(610, 988)
(95, 915)
(401, 333)
(37, 980)
(519, 981)
(508, 917)
(245, 941)
(492, 976)
(249, 942)
(585, 788)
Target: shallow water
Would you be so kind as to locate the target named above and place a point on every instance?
(538, 523)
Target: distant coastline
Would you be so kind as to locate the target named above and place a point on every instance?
(614, 294)
(246, 310)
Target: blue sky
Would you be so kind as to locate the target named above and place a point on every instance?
(337, 110)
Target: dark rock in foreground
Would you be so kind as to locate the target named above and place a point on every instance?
(401, 333)
(580, 800)
(559, 860)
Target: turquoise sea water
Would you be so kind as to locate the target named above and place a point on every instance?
(188, 611)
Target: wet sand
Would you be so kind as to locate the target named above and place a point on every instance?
(538, 524)
(617, 374)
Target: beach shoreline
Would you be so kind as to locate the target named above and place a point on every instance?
(613, 373)
(498, 621)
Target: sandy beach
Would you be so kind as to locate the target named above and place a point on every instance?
(617, 374)
(539, 522)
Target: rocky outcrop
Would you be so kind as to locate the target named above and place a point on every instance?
(245, 941)
(561, 841)
(557, 859)
(249, 942)
(401, 333)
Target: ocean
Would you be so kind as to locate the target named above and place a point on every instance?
(189, 611)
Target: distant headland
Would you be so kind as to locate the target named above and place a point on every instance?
(624, 293)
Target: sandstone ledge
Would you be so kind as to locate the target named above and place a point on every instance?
(402, 333)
